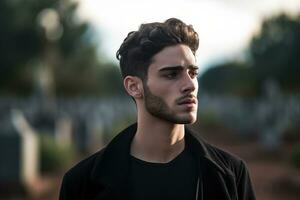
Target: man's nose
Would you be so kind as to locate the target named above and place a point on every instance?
(189, 84)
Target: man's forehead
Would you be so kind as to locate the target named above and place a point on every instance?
(178, 55)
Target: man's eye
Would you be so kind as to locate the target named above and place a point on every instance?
(171, 75)
(193, 73)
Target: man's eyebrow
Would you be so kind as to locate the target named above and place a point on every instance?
(177, 67)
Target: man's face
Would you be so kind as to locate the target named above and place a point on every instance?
(170, 92)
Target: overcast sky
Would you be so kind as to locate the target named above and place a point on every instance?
(225, 27)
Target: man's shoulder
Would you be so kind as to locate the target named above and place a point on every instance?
(219, 156)
(223, 156)
(232, 164)
(82, 169)
(77, 180)
(87, 168)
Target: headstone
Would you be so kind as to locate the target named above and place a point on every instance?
(63, 131)
(18, 153)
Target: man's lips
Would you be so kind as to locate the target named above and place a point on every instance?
(188, 101)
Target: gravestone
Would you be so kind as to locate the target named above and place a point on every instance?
(272, 116)
(18, 154)
(63, 131)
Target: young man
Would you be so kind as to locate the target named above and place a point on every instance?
(158, 157)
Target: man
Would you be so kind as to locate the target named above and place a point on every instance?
(158, 157)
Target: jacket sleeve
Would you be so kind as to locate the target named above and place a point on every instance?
(244, 185)
(66, 192)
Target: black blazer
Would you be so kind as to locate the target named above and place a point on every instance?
(103, 175)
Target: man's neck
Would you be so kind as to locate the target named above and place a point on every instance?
(157, 141)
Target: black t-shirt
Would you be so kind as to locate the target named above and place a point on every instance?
(174, 180)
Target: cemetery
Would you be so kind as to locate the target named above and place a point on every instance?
(83, 123)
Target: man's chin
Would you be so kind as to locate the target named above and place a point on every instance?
(186, 119)
(190, 121)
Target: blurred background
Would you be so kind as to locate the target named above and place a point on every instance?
(61, 89)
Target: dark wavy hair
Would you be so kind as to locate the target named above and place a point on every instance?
(138, 48)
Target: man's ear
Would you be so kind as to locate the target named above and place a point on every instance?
(133, 86)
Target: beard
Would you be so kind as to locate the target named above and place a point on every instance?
(157, 107)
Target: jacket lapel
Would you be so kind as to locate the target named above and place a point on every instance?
(216, 183)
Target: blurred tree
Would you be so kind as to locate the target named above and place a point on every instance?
(19, 41)
(275, 51)
(234, 78)
(273, 54)
(44, 46)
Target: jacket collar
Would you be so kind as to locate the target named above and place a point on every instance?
(112, 166)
